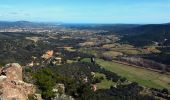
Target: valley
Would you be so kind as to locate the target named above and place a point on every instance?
(91, 61)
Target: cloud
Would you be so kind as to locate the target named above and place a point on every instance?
(13, 13)
(18, 13)
(26, 14)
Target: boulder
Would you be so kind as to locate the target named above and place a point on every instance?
(59, 88)
(12, 71)
(12, 86)
(48, 54)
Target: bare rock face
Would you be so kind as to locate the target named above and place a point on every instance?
(12, 86)
(48, 54)
(12, 71)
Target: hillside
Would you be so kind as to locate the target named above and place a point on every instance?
(147, 34)
(53, 62)
(24, 24)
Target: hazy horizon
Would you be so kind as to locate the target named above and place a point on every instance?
(55, 22)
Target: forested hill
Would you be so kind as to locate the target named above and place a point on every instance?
(24, 24)
(107, 27)
(147, 34)
(147, 29)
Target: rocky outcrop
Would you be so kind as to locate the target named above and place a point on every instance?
(12, 71)
(59, 91)
(47, 54)
(59, 88)
(12, 86)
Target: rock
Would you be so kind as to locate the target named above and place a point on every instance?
(12, 87)
(47, 54)
(56, 61)
(38, 96)
(85, 79)
(93, 74)
(59, 88)
(2, 78)
(12, 71)
(94, 87)
(62, 97)
(13, 64)
(30, 64)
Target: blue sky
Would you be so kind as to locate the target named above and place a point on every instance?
(86, 11)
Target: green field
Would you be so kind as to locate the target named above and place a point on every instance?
(113, 54)
(89, 51)
(104, 84)
(142, 76)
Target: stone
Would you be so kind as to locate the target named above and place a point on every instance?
(12, 86)
(48, 54)
(57, 61)
(59, 88)
(94, 87)
(2, 78)
(12, 71)
(30, 64)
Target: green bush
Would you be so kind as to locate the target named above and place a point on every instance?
(44, 80)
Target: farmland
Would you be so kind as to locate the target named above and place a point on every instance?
(142, 76)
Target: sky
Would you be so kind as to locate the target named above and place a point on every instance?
(86, 11)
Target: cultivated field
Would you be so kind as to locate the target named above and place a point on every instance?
(142, 76)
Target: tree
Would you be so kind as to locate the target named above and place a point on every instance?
(122, 80)
(45, 82)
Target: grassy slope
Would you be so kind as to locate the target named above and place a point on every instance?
(144, 77)
(104, 84)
